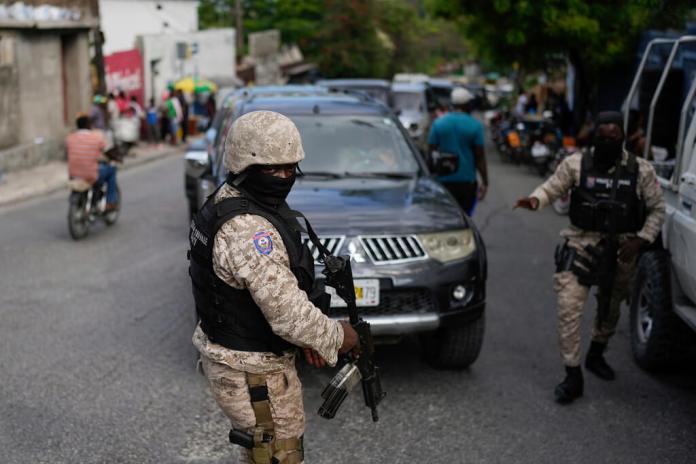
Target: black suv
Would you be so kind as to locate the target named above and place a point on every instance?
(419, 262)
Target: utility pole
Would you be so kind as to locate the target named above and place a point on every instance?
(239, 26)
(98, 52)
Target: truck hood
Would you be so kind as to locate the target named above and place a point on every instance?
(363, 206)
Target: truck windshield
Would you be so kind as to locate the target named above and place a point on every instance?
(355, 144)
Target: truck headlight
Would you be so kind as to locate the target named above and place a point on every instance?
(449, 246)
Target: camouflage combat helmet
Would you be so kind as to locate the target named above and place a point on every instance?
(262, 137)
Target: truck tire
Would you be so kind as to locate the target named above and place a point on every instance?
(454, 347)
(657, 333)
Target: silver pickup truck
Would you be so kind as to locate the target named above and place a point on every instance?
(663, 304)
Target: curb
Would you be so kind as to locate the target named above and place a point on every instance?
(134, 162)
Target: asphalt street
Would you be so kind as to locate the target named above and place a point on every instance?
(97, 364)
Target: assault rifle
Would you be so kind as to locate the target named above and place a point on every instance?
(601, 267)
(603, 271)
(360, 367)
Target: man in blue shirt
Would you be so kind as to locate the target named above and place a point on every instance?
(460, 134)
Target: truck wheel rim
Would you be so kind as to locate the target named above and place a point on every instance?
(645, 320)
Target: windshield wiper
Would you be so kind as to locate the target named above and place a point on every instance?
(332, 175)
(382, 175)
(360, 122)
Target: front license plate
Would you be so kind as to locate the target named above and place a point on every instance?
(366, 294)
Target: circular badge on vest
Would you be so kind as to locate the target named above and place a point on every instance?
(263, 242)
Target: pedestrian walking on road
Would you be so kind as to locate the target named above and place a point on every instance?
(615, 196)
(97, 113)
(460, 134)
(255, 292)
(174, 115)
(152, 123)
(112, 110)
(184, 118)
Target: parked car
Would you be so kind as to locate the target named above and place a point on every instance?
(442, 89)
(418, 260)
(378, 89)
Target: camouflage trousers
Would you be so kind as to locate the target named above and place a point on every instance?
(571, 304)
(230, 389)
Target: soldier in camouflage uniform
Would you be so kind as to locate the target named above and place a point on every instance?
(592, 175)
(255, 292)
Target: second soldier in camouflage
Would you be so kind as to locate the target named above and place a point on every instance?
(605, 175)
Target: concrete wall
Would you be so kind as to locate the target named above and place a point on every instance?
(78, 88)
(40, 86)
(215, 58)
(123, 20)
(51, 85)
(9, 92)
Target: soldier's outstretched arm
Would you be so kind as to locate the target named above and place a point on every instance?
(566, 175)
(651, 192)
(252, 251)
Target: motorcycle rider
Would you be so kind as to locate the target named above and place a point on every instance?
(85, 149)
(607, 170)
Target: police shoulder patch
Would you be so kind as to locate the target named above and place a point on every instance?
(263, 242)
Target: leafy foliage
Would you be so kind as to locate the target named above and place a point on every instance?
(350, 38)
(593, 32)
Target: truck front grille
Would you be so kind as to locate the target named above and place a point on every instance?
(394, 302)
(333, 244)
(393, 249)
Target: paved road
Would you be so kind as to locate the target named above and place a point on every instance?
(97, 364)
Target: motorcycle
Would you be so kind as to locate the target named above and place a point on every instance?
(542, 139)
(88, 203)
(505, 132)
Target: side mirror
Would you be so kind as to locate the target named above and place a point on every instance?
(210, 135)
(197, 162)
(445, 164)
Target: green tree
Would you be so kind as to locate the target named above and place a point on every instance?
(298, 21)
(351, 38)
(350, 43)
(594, 35)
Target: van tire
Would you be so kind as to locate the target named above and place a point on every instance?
(658, 335)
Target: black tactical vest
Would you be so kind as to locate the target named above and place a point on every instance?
(229, 316)
(607, 203)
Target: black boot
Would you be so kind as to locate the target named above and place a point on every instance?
(596, 363)
(571, 387)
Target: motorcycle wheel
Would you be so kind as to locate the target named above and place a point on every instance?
(111, 217)
(77, 217)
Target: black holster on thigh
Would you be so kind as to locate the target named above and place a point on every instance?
(265, 447)
(569, 259)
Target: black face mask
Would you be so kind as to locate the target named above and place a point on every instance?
(607, 151)
(267, 189)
